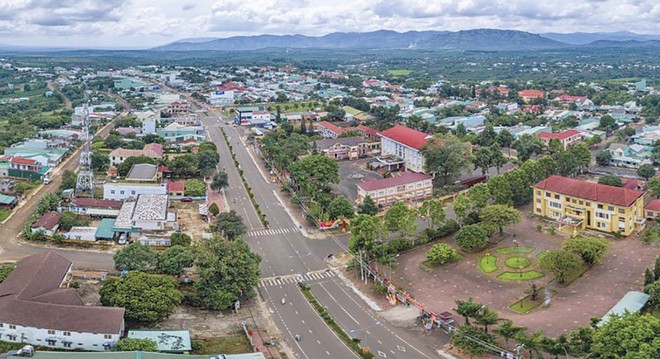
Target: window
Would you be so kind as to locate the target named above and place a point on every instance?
(587, 203)
(11, 326)
(107, 336)
(67, 334)
(602, 215)
(133, 192)
(555, 204)
(574, 200)
(580, 202)
(538, 192)
(51, 332)
(112, 191)
(51, 342)
(547, 194)
(67, 344)
(556, 196)
(538, 200)
(600, 206)
(610, 208)
(11, 337)
(419, 184)
(622, 211)
(121, 192)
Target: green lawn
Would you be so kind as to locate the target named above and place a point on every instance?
(488, 263)
(541, 255)
(527, 275)
(4, 213)
(237, 344)
(511, 250)
(517, 262)
(399, 72)
(293, 106)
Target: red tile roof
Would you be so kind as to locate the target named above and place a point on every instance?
(531, 93)
(176, 186)
(407, 136)
(631, 183)
(653, 206)
(156, 148)
(23, 161)
(404, 178)
(560, 135)
(368, 130)
(331, 127)
(571, 98)
(48, 220)
(31, 296)
(589, 190)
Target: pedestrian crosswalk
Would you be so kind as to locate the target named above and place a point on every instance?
(295, 278)
(272, 231)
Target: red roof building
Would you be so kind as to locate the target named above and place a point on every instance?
(97, 203)
(47, 223)
(406, 136)
(567, 138)
(407, 186)
(176, 188)
(23, 161)
(329, 130)
(529, 95)
(652, 210)
(368, 132)
(591, 191)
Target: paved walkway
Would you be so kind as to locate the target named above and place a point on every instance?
(591, 295)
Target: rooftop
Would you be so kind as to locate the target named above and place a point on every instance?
(48, 220)
(559, 135)
(104, 230)
(407, 136)
(403, 178)
(331, 127)
(97, 203)
(589, 190)
(142, 171)
(346, 141)
(31, 296)
(150, 207)
(166, 340)
(176, 186)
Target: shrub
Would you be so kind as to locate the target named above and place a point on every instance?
(441, 253)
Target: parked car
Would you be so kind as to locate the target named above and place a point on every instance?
(186, 199)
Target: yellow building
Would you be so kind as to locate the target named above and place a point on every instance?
(589, 205)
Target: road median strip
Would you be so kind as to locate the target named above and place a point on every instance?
(352, 344)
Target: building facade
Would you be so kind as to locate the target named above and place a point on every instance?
(589, 205)
(567, 138)
(405, 143)
(409, 187)
(120, 191)
(347, 148)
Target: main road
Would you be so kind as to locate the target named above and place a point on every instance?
(289, 256)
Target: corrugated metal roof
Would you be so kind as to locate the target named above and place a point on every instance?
(632, 302)
(104, 230)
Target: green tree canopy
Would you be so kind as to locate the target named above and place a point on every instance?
(603, 158)
(341, 207)
(174, 261)
(147, 298)
(433, 212)
(654, 186)
(471, 237)
(368, 206)
(180, 239)
(465, 339)
(446, 160)
(442, 253)
(220, 180)
(214, 209)
(315, 173)
(70, 219)
(628, 336)
(195, 188)
(611, 180)
(401, 218)
(134, 344)
(228, 270)
(646, 171)
(135, 257)
(590, 249)
(560, 262)
(497, 216)
(229, 224)
(365, 230)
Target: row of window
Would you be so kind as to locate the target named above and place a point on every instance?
(53, 332)
(580, 202)
(112, 191)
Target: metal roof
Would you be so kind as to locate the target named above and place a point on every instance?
(166, 340)
(632, 302)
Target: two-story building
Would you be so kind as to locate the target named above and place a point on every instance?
(347, 148)
(38, 307)
(27, 168)
(405, 143)
(221, 98)
(329, 130)
(583, 204)
(567, 138)
(120, 191)
(409, 187)
(151, 150)
(529, 95)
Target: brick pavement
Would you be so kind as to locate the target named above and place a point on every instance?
(592, 295)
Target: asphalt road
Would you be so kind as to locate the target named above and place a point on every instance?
(288, 255)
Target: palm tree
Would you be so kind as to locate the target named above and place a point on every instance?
(468, 309)
(554, 347)
(531, 342)
(487, 317)
(509, 331)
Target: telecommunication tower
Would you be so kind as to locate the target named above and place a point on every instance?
(85, 182)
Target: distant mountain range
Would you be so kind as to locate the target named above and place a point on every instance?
(479, 40)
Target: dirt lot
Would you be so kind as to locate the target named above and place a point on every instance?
(189, 220)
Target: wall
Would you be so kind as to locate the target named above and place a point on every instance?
(130, 190)
(38, 336)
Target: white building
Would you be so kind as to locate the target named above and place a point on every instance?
(221, 98)
(149, 126)
(37, 307)
(405, 143)
(82, 233)
(124, 190)
(148, 213)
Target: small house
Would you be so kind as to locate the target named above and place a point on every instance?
(47, 224)
(176, 188)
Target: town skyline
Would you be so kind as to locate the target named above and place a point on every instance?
(140, 24)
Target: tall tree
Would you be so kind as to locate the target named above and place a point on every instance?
(560, 262)
(365, 231)
(590, 249)
(509, 331)
(526, 146)
(471, 237)
(228, 271)
(464, 207)
(505, 139)
(483, 159)
(498, 216)
(230, 225)
(497, 158)
(135, 257)
(581, 156)
(368, 206)
(468, 309)
(487, 317)
(220, 180)
(147, 298)
(611, 180)
(341, 207)
(471, 341)
(174, 261)
(479, 194)
(531, 342)
(487, 137)
(646, 171)
(400, 218)
(314, 174)
(654, 186)
(500, 189)
(447, 159)
(433, 212)
(628, 336)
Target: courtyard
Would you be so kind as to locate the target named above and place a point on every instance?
(502, 274)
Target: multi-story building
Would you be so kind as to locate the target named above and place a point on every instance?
(252, 116)
(120, 191)
(405, 143)
(347, 148)
(38, 307)
(409, 187)
(529, 95)
(221, 98)
(567, 138)
(329, 130)
(26, 168)
(589, 205)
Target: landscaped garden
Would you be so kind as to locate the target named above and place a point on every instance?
(508, 263)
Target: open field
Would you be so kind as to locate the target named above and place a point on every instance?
(399, 72)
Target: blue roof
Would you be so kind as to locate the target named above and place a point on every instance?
(4, 199)
(104, 230)
(632, 302)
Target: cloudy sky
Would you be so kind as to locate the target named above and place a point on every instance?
(146, 23)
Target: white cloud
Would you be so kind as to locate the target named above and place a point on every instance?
(151, 22)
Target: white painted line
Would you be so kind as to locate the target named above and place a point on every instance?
(401, 349)
(382, 354)
(278, 282)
